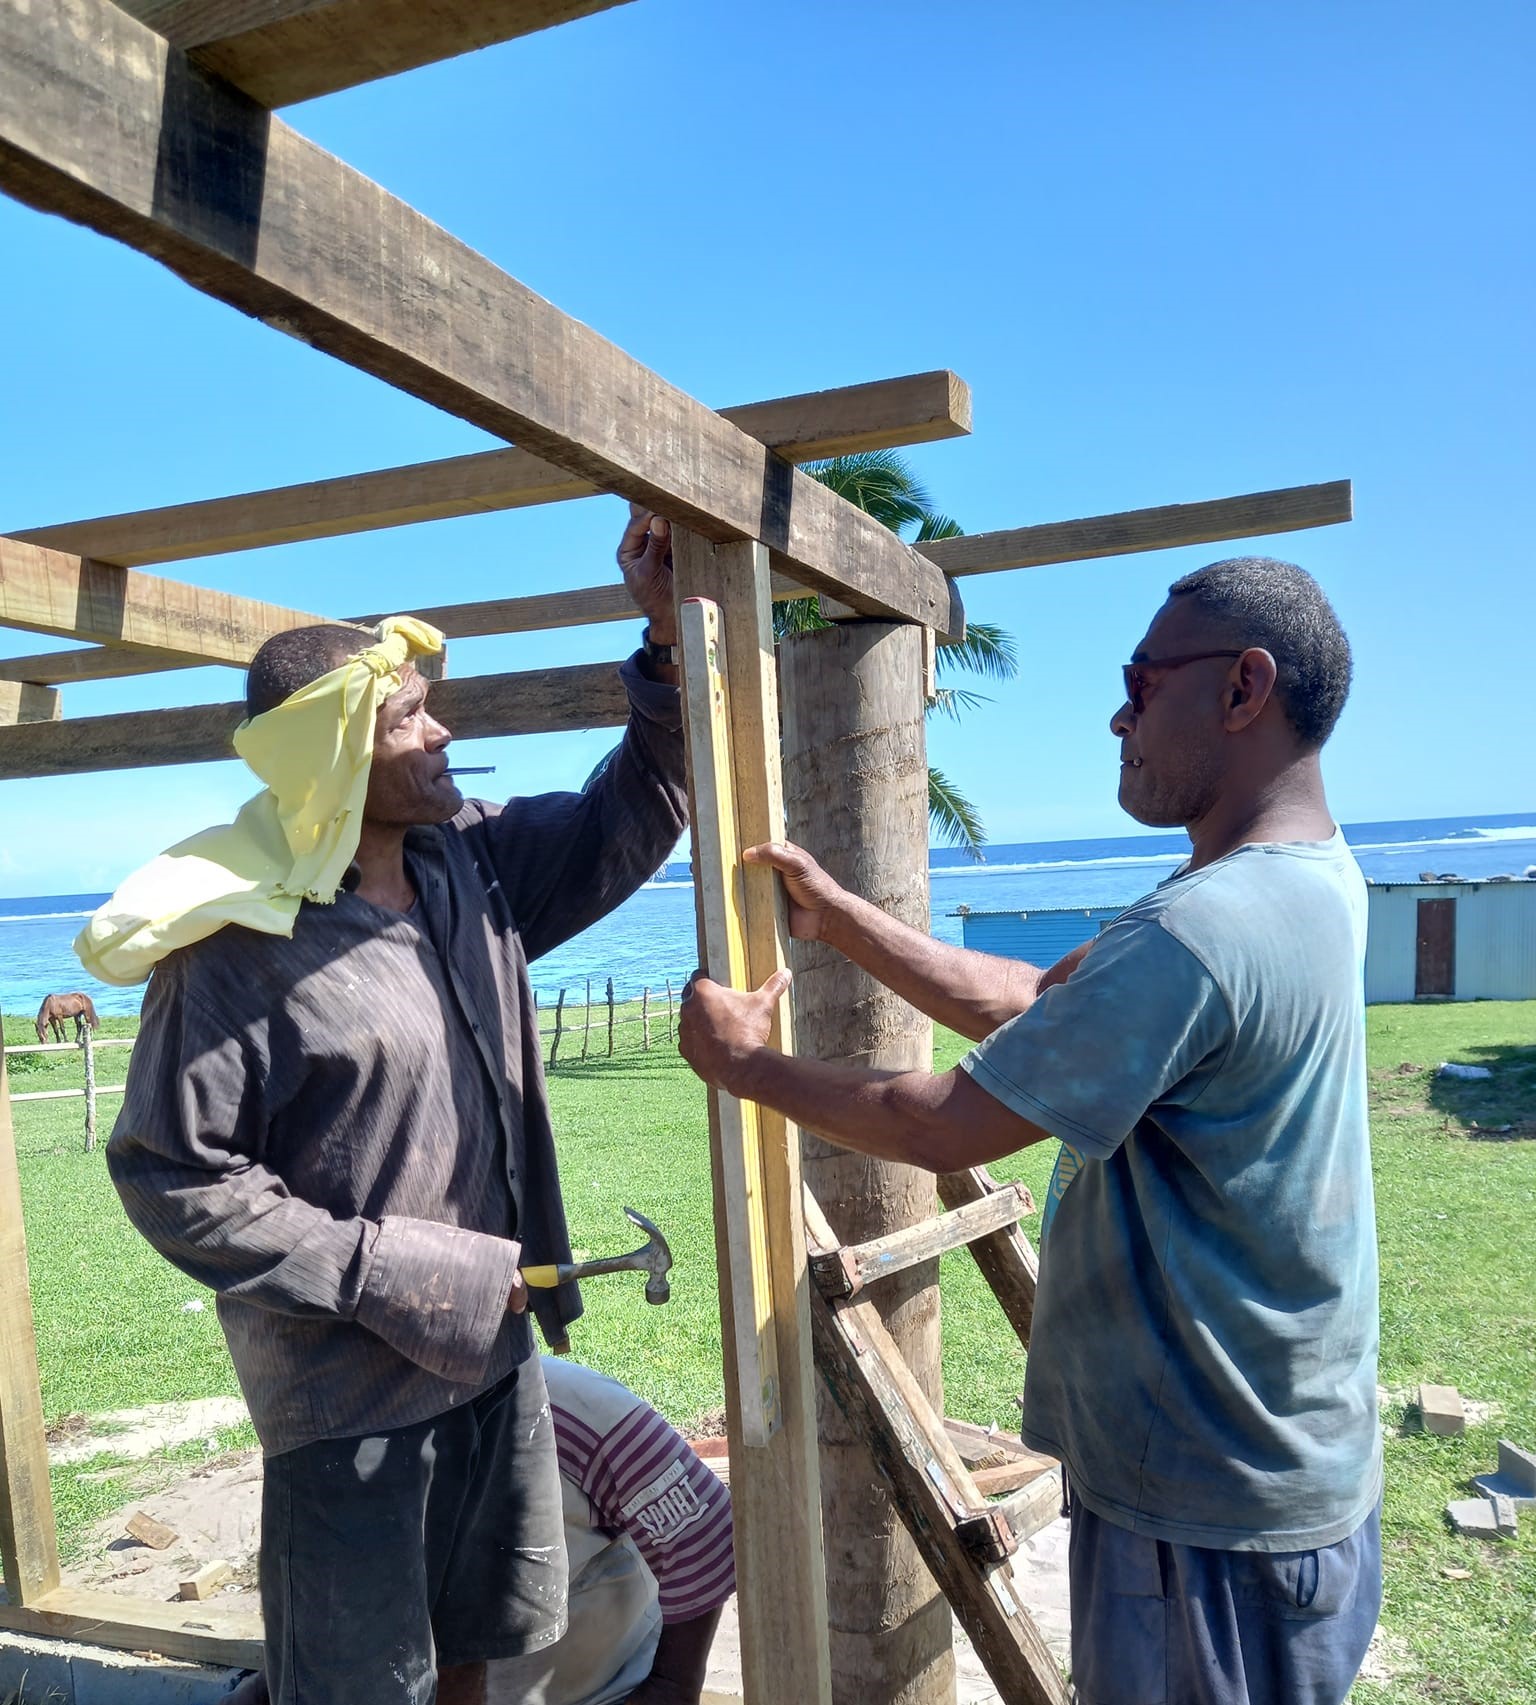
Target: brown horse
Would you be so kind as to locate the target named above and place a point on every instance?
(56, 1008)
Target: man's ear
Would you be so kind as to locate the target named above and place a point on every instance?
(1250, 685)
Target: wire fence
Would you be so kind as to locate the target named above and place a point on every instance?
(655, 1011)
(85, 1045)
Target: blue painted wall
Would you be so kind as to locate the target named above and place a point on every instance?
(1038, 937)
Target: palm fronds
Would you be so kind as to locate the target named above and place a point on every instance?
(952, 817)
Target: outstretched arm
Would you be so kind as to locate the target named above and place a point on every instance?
(943, 1121)
(972, 993)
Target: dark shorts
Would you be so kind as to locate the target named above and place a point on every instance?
(386, 1557)
(1160, 1624)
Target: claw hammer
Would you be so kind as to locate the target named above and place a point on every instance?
(653, 1258)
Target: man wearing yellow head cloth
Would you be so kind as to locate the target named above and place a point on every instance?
(336, 1118)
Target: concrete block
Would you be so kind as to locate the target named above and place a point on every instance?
(1507, 1522)
(35, 1671)
(148, 1682)
(1440, 1407)
(1515, 1478)
(1475, 1517)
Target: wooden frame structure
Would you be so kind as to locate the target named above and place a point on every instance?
(151, 122)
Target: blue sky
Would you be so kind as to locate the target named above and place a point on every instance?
(1178, 251)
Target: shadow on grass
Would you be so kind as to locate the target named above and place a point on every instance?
(1501, 1108)
(626, 1066)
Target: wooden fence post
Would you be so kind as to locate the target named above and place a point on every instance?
(28, 1546)
(90, 1089)
(670, 1036)
(645, 1019)
(554, 1047)
(610, 1018)
(586, 1020)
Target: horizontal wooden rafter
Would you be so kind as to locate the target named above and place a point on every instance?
(279, 51)
(539, 701)
(1252, 515)
(56, 592)
(1164, 528)
(103, 123)
(201, 1633)
(915, 409)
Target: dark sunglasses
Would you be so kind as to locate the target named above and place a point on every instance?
(1135, 674)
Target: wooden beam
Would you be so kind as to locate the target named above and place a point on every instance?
(103, 123)
(916, 409)
(775, 1488)
(279, 51)
(541, 701)
(736, 1125)
(1168, 527)
(20, 701)
(29, 1551)
(200, 1633)
(1165, 528)
(54, 592)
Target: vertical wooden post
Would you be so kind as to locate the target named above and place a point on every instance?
(586, 1020)
(554, 1047)
(29, 1551)
(610, 1018)
(856, 787)
(775, 1492)
(90, 1088)
(671, 1033)
(645, 1019)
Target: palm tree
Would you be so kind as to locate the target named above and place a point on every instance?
(882, 484)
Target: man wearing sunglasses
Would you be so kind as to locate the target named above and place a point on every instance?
(1204, 1354)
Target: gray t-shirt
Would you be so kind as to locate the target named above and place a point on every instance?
(1204, 1348)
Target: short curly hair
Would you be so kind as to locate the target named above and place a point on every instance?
(297, 656)
(1259, 600)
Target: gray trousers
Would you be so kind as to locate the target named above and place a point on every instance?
(1161, 1624)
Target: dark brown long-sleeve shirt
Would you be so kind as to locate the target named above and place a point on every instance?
(346, 1134)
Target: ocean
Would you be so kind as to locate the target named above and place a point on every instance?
(650, 938)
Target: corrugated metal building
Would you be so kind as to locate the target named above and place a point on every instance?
(1451, 941)
(1038, 937)
(1425, 940)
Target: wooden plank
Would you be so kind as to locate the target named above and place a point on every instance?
(21, 701)
(930, 1486)
(1171, 527)
(206, 1581)
(280, 51)
(103, 123)
(1006, 1258)
(775, 1491)
(914, 409)
(718, 891)
(57, 592)
(29, 1554)
(67, 1047)
(539, 701)
(67, 1094)
(858, 1265)
(200, 1633)
(1166, 528)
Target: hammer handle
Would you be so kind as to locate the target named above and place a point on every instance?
(541, 1278)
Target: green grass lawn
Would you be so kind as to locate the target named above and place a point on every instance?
(1455, 1204)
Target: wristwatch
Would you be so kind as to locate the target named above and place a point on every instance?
(672, 654)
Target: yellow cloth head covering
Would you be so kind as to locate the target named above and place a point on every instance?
(292, 842)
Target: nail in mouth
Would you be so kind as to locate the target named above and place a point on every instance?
(472, 770)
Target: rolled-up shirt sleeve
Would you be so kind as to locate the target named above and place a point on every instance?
(186, 1159)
